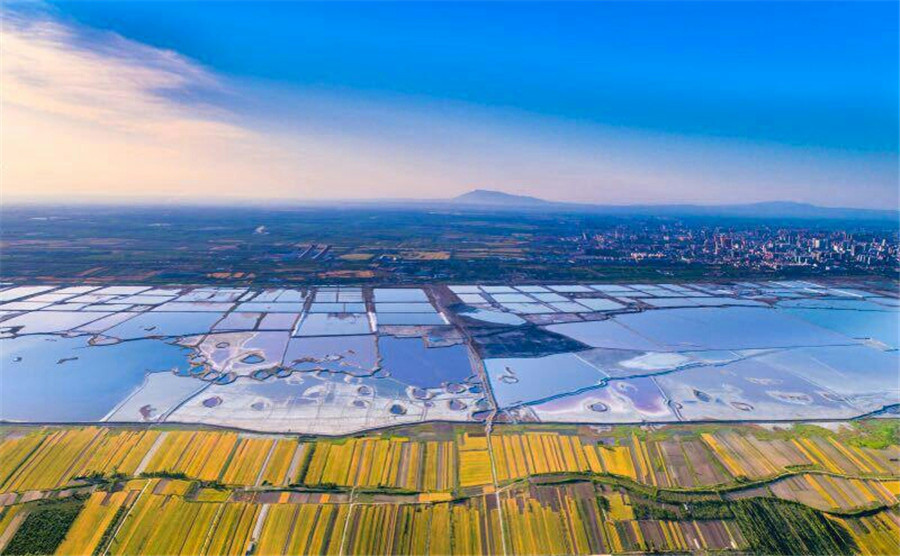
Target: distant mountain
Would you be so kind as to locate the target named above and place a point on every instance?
(498, 200)
(486, 197)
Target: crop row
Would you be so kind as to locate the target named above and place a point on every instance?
(377, 462)
(161, 516)
(50, 458)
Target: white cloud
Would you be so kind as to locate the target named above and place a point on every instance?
(121, 86)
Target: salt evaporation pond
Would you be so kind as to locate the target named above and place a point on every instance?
(493, 317)
(732, 328)
(160, 393)
(340, 354)
(410, 319)
(322, 403)
(749, 389)
(282, 296)
(244, 352)
(848, 370)
(600, 304)
(22, 291)
(410, 361)
(163, 324)
(529, 308)
(881, 326)
(822, 353)
(605, 334)
(399, 295)
(335, 307)
(837, 304)
(57, 379)
(238, 322)
(513, 298)
(404, 308)
(628, 401)
(624, 363)
(254, 307)
(518, 380)
(278, 321)
(702, 329)
(333, 324)
(43, 322)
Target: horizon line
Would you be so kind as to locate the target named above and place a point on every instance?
(12, 201)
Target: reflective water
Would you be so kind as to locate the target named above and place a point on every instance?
(882, 326)
(344, 354)
(404, 308)
(607, 334)
(727, 328)
(633, 400)
(488, 315)
(38, 322)
(333, 324)
(409, 319)
(749, 389)
(155, 324)
(523, 379)
(847, 370)
(399, 295)
(51, 378)
(410, 361)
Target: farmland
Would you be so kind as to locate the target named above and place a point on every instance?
(442, 489)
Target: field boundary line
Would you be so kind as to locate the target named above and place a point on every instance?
(112, 537)
(347, 520)
(262, 469)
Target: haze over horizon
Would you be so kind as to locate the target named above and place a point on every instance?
(613, 103)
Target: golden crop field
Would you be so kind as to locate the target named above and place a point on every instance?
(279, 463)
(875, 535)
(45, 458)
(15, 449)
(302, 529)
(561, 490)
(87, 531)
(247, 461)
(374, 462)
(54, 461)
(474, 461)
(474, 468)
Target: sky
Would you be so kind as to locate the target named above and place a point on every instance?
(603, 102)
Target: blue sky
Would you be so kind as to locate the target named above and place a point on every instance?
(607, 102)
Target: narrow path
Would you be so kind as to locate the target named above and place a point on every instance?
(299, 453)
(149, 455)
(265, 464)
(212, 528)
(347, 520)
(257, 529)
(112, 538)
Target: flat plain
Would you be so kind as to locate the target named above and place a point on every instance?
(450, 419)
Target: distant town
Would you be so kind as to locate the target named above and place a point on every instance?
(757, 247)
